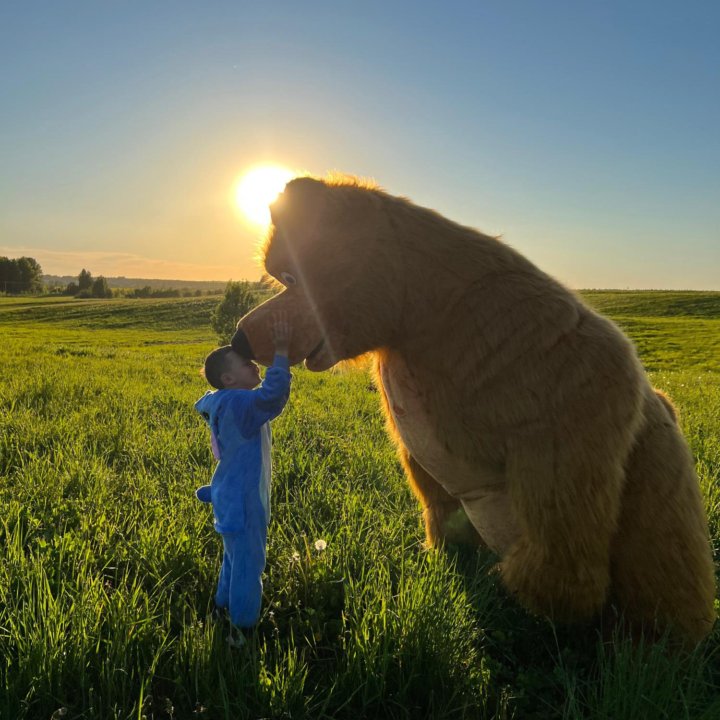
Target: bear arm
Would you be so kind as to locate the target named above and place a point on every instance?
(567, 510)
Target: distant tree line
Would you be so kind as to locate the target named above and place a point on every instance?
(25, 276)
(89, 287)
(21, 275)
(149, 292)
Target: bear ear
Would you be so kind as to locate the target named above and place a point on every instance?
(302, 196)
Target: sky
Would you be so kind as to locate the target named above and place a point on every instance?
(587, 134)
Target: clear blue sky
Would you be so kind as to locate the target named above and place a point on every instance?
(588, 134)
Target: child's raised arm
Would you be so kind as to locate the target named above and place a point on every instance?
(270, 398)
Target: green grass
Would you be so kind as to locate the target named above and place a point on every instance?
(155, 314)
(109, 563)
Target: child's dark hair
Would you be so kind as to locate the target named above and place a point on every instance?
(215, 366)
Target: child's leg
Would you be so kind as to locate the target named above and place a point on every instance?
(222, 595)
(247, 553)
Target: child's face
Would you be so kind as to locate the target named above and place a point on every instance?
(239, 373)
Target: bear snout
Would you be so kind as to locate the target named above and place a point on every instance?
(241, 345)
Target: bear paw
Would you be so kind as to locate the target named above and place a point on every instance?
(542, 583)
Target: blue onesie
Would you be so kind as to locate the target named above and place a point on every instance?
(240, 487)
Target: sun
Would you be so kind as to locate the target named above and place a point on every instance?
(257, 189)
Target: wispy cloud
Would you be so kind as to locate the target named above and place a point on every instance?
(111, 264)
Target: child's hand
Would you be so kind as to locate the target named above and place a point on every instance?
(281, 332)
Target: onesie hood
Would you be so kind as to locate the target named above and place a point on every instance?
(209, 404)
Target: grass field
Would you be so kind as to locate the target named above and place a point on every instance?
(109, 562)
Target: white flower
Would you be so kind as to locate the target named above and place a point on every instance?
(320, 545)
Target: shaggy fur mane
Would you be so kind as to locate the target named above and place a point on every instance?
(333, 179)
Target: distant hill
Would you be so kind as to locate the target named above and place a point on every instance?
(155, 284)
(655, 303)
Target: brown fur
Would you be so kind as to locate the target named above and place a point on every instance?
(511, 402)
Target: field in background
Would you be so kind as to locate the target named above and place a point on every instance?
(109, 563)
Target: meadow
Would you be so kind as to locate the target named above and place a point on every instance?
(109, 562)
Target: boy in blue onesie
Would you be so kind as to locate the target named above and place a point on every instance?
(239, 416)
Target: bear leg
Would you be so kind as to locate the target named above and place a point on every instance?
(445, 519)
(662, 568)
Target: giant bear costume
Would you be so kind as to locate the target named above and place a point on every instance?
(523, 419)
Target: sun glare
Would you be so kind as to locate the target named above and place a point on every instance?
(257, 190)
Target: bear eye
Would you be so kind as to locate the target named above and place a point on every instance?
(287, 278)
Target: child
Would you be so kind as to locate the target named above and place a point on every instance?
(239, 417)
